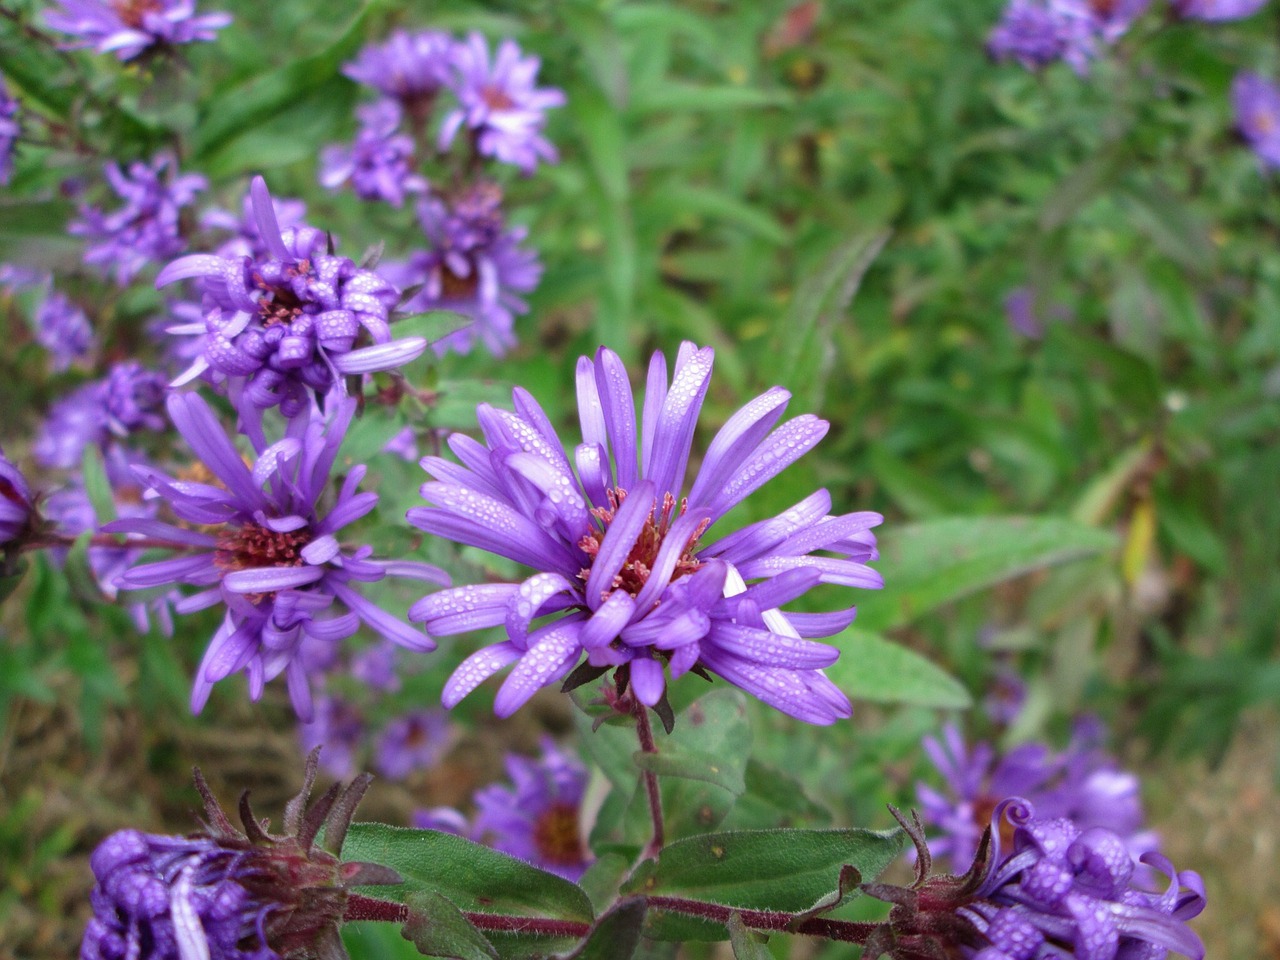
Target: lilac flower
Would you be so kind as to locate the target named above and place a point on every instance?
(380, 162)
(146, 229)
(409, 67)
(337, 726)
(621, 574)
(537, 817)
(1060, 891)
(283, 325)
(123, 402)
(17, 508)
(267, 551)
(499, 104)
(1030, 33)
(1217, 10)
(1257, 107)
(62, 328)
(415, 741)
(1082, 783)
(473, 266)
(130, 27)
(229, 894)
(9, 131)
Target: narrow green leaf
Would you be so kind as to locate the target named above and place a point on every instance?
(691, 97)
(872, 668)
(438, 929)
(471, 875)
(616, 935)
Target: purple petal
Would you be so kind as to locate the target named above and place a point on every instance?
(552, 652)
(778, 451)
(618, 541)
(619, 415)
(461, 609)
(679, 417)
(270, 579)
(476, 669)
(647, 680)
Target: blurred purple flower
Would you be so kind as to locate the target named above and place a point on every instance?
(404, 445)
(261, 544)
(537, 817)
(499, 103)
(636, 588)
(62, 328)
(375, 667)
(9, 131)
(415, 741)
(125, 401)
(1109, 20)
(409, 67)
(1257, 106)
(1082, 782)
(1029, 33)
(443, 819)
(380, 162)
(338, 727)
(281, 326)
(146, 229)
(17, 508)
(130, 27)
(1217, 10)
(472, 266)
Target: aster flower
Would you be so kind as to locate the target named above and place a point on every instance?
(415, 741)
(9, 131)
(122, 403)
(283, 326)
(1217, 10)
(146, 228)
(62, 328)
(261, 544)
(380, 162)
(1060, 891)
(537, 817)
(624, 576)
(130, 27)
(1030, 33)
(499, 104)
(408, 67)
(473, 266)
(17, 507)
(227, 893)
(1257, 106)
(1082, 783)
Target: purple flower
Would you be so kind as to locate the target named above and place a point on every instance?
(229, 894)
(1082, 783)
(125, 401)
(1257, 106)
(380, 162)
(62, 328)
(473, 266)
(622, 574)
(337, 726)
(146, 228)
(537, 817)
(409, 67)
(281, 326)
(375, 667)
(415, 741)
(9, 131)
(247, 239)
(1029, 33)
(259, 542)
(17, 509)
(130, 27)
(1108, 19)
(499, 104)
(1217, 10)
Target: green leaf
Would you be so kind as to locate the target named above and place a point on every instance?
(471, 875)
(674, 761)
(616, 935)
(438, 929)
(785, 870)
(431, 325)
(710, 202)
(872, 668)
(692, 97)
(96, 484)
(926, 565)
(745, 944)
(604, 877)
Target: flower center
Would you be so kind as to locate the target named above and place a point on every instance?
(496, 98)
(555, 834)
(454, 287)
(252, 546)
(132, 12)
(281, 304)
(639, 563)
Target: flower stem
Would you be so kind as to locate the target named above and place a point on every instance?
(645, 733)
(844, 931)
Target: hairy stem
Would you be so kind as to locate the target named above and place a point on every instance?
(844, 931)
(645, 732)
(360, 907)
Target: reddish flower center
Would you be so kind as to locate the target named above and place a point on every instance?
(455, 287)
(639, 563)
(496, 98)
(252, 546)
(281, 304)
(555, 834)
(132, 12)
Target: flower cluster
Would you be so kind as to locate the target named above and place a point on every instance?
(380, 162)
(259, 541)
(102, 412)
(129, 28)
(63, 329)
(622, 575)
(146, 228)
(281, 327)
(536, 818)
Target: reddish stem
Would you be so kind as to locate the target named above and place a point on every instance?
(360, 907)
(645, 733)
(844, 931)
